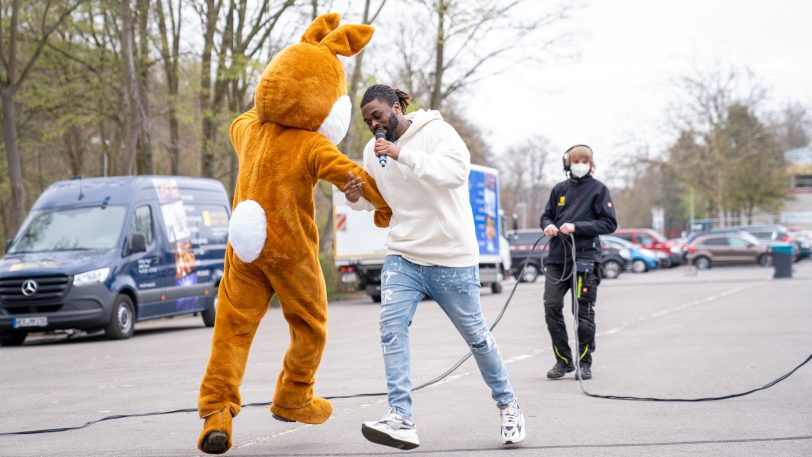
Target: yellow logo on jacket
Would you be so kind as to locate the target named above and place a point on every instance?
(561, 200)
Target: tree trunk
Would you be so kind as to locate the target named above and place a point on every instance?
(170, 56)
(207, 155)
(76, 150)
(437, 90)
(145, 159)
(15, 173)
(132, 120)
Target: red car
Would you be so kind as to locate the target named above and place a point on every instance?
(650, 239)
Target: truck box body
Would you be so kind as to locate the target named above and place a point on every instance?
(157, 242)
(360, 246)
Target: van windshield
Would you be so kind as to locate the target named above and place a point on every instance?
(69, 229)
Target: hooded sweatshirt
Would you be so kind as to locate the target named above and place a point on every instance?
(427, 188)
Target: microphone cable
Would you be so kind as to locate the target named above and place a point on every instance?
(457, 364)
(575, 310)
(268, 403)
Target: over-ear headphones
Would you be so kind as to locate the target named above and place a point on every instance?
(566, 156)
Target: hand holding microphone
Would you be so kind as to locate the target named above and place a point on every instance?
(378, 135)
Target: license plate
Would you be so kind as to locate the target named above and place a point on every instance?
(348, 277)
(19, 322)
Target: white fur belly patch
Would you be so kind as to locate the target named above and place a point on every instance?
(246, 230)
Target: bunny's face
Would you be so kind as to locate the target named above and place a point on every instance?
(304, 85)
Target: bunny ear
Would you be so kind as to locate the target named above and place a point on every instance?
(321, 27)
(348, 40)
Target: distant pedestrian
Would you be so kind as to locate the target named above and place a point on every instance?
(581, 206)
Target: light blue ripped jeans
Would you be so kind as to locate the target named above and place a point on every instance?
(456, 290)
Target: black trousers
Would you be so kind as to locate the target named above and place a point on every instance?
(554, 292)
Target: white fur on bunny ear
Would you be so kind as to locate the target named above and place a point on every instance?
(338, 121)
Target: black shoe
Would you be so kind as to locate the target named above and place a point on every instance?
(559, 370)
(586, 371)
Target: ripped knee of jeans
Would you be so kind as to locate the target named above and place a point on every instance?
(483, 343)
(390, 340)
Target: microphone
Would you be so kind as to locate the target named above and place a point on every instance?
(381, 134)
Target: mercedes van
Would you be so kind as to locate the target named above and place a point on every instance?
(105, 253)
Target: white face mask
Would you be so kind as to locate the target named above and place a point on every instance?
(579, 170)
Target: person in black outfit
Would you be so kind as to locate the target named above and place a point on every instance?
(580, 206)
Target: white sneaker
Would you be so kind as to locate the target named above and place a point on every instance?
(512, 423)
(393, 430)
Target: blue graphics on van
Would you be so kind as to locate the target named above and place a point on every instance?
(484, 197)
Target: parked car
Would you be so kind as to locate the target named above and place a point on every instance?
(642, 259)
(613, 260)
(771, 235)
(727, 248)
(804, 238)
(680, 245)
(521, 242)
(653, 240)
(105, 253)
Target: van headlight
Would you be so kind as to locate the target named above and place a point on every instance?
(91, 277)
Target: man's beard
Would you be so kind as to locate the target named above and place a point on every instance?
(392, 127)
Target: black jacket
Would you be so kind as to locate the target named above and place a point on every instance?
(586, 203)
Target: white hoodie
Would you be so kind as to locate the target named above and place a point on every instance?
(427, 189)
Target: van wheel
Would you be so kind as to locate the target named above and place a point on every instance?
(702, 263)
(376, 298)
(611, 269)
(531, 273)
(496, 287)
(122, 322)
(210, 312)
(13, 338)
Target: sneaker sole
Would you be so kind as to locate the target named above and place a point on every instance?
(215, 443)
(379, 437)
(516, 441)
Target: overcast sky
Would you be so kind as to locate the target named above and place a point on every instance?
(630, 53)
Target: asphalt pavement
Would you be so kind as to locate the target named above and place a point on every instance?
(669, 334)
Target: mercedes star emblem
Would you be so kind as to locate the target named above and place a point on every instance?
(29, 287)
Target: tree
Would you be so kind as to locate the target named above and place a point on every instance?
(143, 62)
(41, 22)
(242, 35)
(793, 127)
(474, 40)
(524, 185)
(170, 28)
(759, 179)
(133, 106)
(704, 144)
(348, 144)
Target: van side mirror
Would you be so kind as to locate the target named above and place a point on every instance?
(138, 243)
(8, 244)
(514, 221)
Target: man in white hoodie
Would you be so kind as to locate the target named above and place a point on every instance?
(421, 167)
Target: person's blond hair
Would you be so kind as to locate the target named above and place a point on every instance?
(581, 152)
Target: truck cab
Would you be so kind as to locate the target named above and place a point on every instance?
(105, 253)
